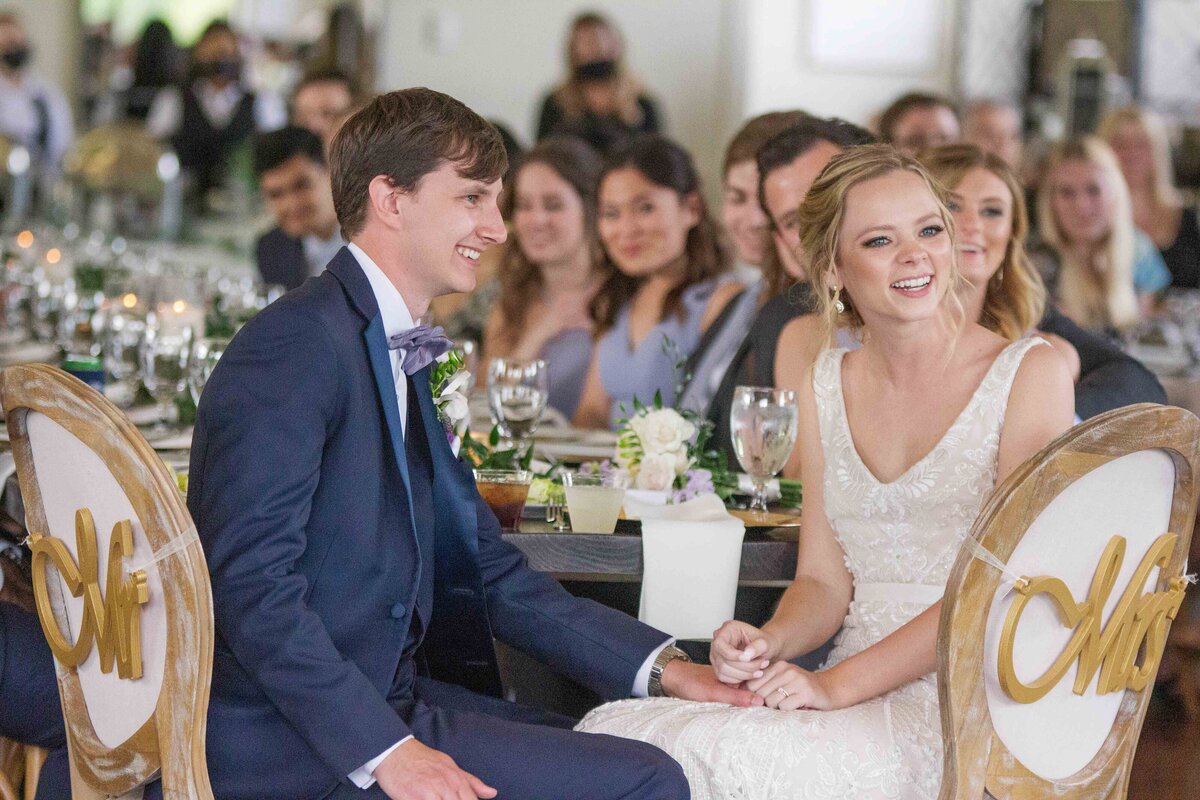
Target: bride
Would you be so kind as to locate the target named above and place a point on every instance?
(907, 437)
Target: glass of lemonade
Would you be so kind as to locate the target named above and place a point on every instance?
(594, 501)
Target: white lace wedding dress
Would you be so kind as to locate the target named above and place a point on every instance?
(900, 541)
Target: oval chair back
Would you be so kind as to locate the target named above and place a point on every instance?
(1053, 625)
(121, 587)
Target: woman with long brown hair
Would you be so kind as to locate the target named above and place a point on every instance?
(551, 269)
(669, 281)
(600, 101)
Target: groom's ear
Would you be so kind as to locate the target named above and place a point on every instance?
(383, 201)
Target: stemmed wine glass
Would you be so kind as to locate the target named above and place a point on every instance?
(208, 352)
(517, 395)
(763, 424)
(166, 359)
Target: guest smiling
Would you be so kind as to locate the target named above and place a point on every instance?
(551, 268)
(670, 282)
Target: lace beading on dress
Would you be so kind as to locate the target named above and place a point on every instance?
(904, 532)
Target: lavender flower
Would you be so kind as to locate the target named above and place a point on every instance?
(697, 482)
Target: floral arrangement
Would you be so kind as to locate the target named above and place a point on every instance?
(449, 382)
(665, 450)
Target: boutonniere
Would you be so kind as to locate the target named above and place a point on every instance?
(449, 383)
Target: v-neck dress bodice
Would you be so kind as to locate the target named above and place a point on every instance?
(900, 540)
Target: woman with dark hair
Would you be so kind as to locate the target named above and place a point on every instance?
(156, 65)
(551, 268)
(668, 282)
(600, 101)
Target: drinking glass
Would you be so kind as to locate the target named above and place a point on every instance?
(505, 492)
(123, 335)
(763, 424)
(594, 500)
(517, 395)
(208, 352)
(166, 358)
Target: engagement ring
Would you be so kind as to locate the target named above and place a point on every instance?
(782, 691)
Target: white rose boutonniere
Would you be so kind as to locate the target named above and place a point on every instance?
(449, 383)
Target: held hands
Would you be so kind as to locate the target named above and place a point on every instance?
(787, 687)
(697, 682)
(740, 652)
(415, 772)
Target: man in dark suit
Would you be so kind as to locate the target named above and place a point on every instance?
(294, 181)
(358, 577)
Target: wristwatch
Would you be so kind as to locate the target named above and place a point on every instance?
(665, 656)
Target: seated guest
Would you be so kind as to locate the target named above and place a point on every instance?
(669, 282)
(995, 127)
(1139, 139)
(294, 181)
(787, 166)
(1102, 271)
(600, 101)
(918, 121)
(359, 580)
(321, 102)
(33, 111)
(156, 66)
(747, 227)
(551, 268)
(30, 711)
(210, 117)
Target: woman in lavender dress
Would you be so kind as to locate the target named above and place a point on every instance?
(551, 269)
(671, 278)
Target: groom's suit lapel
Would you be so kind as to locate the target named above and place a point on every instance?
(358, 289)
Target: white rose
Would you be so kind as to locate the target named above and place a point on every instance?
(657, 473)
(682, 462)
(454, 406)
(457, 383)
(662, 430)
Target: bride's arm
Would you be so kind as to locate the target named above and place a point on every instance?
(1041, 406)
(814, 605)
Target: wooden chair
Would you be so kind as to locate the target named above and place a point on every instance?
(128, 615)
(1023, 713)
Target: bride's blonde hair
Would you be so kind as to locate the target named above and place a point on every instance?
(821, 216)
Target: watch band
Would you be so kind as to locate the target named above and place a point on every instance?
(665, 656)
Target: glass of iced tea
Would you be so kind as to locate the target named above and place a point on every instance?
(504, 490)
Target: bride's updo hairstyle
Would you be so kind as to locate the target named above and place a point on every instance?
(1016, 296)
(821, 216)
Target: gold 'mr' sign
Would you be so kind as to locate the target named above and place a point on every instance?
(1136, 629)
(111, 618)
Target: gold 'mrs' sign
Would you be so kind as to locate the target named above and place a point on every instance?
(111, 618)
(1126, 650)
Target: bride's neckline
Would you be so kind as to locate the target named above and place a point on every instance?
(941, 440)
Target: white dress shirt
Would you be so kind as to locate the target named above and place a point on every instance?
(397, 319)
(20, 121)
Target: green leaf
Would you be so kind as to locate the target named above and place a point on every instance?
(658, 401)
(494, 436)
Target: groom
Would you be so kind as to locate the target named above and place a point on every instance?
(358, 578)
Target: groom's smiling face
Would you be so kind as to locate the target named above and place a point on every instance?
(447, 222)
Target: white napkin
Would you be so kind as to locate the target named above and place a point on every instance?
(685, 546)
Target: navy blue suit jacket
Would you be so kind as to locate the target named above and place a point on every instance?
(281, 259)
(299, 488)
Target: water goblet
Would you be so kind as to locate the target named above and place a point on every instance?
(517, 395)
(763, 424)
(207, 353)
(166, 356)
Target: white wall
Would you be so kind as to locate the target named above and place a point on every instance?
(55, 35)
(780, 73)
(501, 56)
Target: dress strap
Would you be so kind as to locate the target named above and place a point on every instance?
(827, 390)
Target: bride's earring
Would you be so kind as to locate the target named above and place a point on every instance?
(837, 301)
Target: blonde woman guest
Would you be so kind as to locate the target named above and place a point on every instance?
(600, 101)
(1139, 139)
(669, 284)
(1102, 271)
(551, 269)
(907, 435)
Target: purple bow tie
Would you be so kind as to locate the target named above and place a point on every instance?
(421, 345)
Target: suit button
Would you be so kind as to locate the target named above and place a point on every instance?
(398, 611)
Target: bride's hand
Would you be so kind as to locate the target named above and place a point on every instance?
(788, 687)
(740, 652)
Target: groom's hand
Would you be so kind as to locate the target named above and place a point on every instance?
(415, 772)
(698, 682)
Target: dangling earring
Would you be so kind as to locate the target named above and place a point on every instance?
(837, 301)
(999, 277)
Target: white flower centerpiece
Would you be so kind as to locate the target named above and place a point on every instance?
(663, 450)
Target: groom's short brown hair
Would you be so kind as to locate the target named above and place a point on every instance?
(403, 136)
